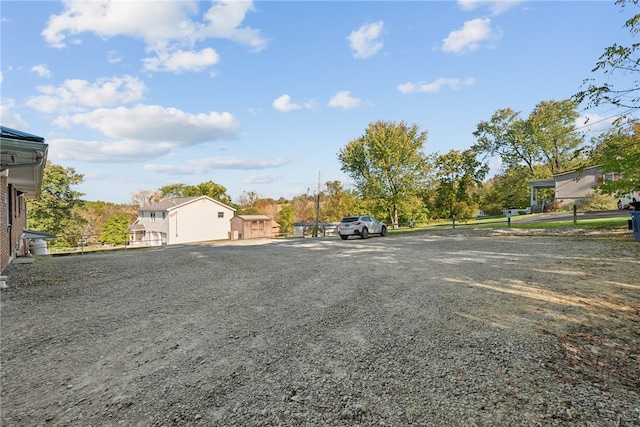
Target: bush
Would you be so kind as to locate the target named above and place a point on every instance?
(598, 202)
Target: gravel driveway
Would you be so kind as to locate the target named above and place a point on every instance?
(461, 328)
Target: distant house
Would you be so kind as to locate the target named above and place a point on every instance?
(181, 220)
(572, 186)
(22, 160)
(253, 227)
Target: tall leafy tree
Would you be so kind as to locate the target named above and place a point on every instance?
(618, 152)
(115, 230)
(506, 135)
(552, 131)
(285, 218)
(547, 137)
(508, 189)
(208, 188)
(336, 202)
(459, 175)
(621, 64)
(58, 208)
(98, 213)
(387, 164)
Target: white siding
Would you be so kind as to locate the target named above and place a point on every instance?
(198, 221)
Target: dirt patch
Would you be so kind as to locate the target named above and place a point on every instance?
(452, 328)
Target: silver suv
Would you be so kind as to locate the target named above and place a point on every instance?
(362, 226)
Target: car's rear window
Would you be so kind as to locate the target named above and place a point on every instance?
(350, 219)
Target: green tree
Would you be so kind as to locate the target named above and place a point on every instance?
(552, 126)
(387, 164)
(247, 203)
(58, 208)
(621, 65)
(459, 174)
(547, 137)
(618, 152)
(285, 218)
(509, 189)
(115, 230)
(336, 202)
(505, 135)
(208, 188)
(98, 213)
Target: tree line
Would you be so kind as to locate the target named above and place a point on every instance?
(396, 180)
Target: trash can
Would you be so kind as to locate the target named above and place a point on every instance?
(38, 247)
(635, 224)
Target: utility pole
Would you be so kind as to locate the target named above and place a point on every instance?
(315, 230)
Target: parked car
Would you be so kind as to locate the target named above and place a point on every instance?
(362, 225)
(624, 201)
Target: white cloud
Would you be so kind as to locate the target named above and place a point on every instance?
(75, 95)
(260, 178)
(283, 103)
(343, 99)
(142, 132)
(42, 70)
(169, 28)
(365, 41)
(113, 57)
(9, 117)
(200, 166)
(153, 123)
(594, 123)
(180, 60)
(435, 86)
(469, 37)
(225, 18)
(495, 6)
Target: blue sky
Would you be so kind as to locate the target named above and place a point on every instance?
(261, 96)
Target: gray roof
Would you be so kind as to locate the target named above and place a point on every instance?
(6, 132)
(166, 204)
(24, 156)
(169, 204)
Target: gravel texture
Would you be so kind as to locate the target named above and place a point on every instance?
(460, 328)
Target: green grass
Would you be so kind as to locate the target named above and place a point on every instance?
(600, 223)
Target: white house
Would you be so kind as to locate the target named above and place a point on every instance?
(181, 220)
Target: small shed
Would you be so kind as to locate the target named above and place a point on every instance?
(253, 227)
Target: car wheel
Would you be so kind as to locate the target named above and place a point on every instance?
(620, 204)
(344, 237)
(364, 233)
(384, 231)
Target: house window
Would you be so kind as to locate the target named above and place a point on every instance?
(220, 214)
(603, 178)
(164, 215)
(153, 216)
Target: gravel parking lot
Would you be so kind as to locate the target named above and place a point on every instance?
(459, 328)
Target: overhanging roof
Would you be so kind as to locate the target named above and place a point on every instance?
(22, 158)
(31, 234)
(542, 183)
